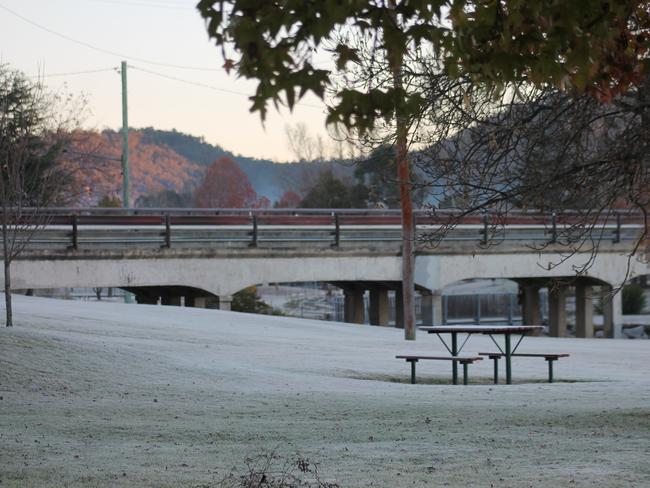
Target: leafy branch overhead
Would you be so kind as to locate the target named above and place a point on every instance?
(584, 46)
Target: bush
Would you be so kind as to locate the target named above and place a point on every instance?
(274, 471)
(633, 299)
(247, 301)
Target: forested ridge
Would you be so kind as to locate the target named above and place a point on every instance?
(171, 161)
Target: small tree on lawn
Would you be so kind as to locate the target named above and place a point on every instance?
(33, 133)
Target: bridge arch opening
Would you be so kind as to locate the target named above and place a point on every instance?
(175, 295)
(636, 301)
(480, 301)
(566, 306)
(362, 302)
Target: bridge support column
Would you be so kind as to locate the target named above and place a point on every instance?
(530, 307)
(557, 310)
(584, 311)
(174, 300)
(426, 308)
(438, 312)
(612, 313)
(225, 302)
(196, 302)
(431, 308)
(379, 307)
(399, 308)
(353, 310)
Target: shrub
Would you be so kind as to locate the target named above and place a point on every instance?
(247, 301)
(273, 471)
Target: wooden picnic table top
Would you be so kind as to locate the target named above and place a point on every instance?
(440, 358)
(481, 329)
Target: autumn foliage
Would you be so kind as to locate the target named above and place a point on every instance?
(289, 199)
(168, 168)
(154, 167)
(225, 186)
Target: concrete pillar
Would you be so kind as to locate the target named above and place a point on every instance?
(431, 307)
(584, 311)
(196, 302)
(174, 300)
(437, 309)
(379, 307)
(224, 302)
(426, 308)
(399, 308)
(612, 313)
(530, 308)
(557, 311)
(353, 306)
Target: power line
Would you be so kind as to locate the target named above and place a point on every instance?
(91, 155)
(209, 87)
(169, 6)
(102, 50)
(189, 82)
(176, 3)
(72, 73)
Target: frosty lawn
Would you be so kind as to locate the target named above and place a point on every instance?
(98, 394)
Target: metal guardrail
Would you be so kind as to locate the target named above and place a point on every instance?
(97, 229)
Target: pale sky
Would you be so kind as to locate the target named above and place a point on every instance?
(72, 36)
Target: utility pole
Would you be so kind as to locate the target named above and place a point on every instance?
(128, 298)
(125, 141)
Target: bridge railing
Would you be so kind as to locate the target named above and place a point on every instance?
(99, 228)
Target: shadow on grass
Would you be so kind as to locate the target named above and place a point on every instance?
(446, 380)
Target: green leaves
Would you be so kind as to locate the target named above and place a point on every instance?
(362, 110)
(345, 55)
(586, 45)
(582, 44)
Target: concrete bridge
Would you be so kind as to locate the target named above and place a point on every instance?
(209, 255)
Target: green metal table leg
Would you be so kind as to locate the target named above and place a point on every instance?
(508, 354)
(454, 352)
(465, 365)
(550, 370)
(413, 371)
(496, 369)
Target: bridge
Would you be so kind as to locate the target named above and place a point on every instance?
(201, 256)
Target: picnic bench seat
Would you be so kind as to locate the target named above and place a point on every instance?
(464, 360)
(548, 357)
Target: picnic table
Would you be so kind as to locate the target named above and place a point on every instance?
(491, 330)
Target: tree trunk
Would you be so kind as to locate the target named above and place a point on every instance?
(6, 258)
(9, 315)
(406, 203)
(408, 232)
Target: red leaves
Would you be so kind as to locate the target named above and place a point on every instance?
(289, 199)
(225, 186)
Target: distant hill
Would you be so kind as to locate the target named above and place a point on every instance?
(269, 179)
(170, 160)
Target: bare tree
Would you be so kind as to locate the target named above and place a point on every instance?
(539, 149)
(515, 148)
(415, 77)
(33, 134)
(302, 144)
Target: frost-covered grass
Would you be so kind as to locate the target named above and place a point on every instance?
(98, 394)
